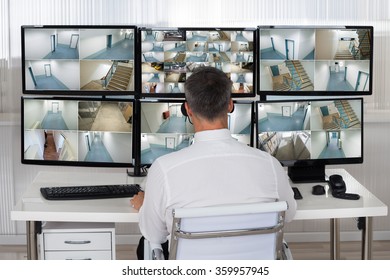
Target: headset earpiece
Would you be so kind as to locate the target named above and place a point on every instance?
(183, 109)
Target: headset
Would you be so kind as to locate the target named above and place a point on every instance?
(184, 110)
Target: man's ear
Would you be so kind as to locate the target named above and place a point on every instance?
(188, 109)
(231, 106)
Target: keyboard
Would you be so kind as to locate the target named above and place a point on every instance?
(90, 192)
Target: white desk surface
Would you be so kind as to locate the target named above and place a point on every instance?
(33, 207)
(328, 207)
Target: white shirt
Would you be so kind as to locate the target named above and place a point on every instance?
(215, 170)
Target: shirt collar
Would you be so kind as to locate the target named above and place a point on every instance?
(215, 134)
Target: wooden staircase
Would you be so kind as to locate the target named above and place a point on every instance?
(347, 117)
(359, 49)
(300, 79)
(347, 114)
(364, 44)
(120, 79)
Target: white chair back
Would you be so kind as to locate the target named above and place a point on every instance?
(242, 231)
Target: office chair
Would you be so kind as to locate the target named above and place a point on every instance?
(241, 231)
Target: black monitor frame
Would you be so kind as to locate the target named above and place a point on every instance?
(75, 62)
(311, 62)
(309, 169)
(179, 36)
(127, 112)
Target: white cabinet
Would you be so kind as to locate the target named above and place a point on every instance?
(77, 241)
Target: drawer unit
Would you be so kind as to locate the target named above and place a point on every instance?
(93, 241)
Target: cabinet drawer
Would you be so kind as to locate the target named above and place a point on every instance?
(77, 241)
(78, 255)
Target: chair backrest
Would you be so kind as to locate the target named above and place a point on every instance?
(240, 231)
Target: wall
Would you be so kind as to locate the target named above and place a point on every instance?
(250, 13)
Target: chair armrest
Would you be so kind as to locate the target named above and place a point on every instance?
(157, 254)
(153, 251)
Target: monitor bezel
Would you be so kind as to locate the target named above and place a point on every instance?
(77, 163)
(185, 29)
(56, 92)
(264, 93)
(312, 163)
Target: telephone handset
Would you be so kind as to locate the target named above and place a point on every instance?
(338, 188)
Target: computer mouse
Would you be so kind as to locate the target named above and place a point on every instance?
(318, 190)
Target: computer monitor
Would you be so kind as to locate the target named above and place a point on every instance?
(77, 131)
(321, 60)
(169, 56)
(89, 60)
(307, 135)
(164, 129)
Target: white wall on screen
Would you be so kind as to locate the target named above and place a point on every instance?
(34, 110)
(91, 70)
(322, 75)
(70, 113)
(351, 143)
(64, 36)
(326, 44)
(240, 118)
(93, 41)
(118, 145)
(38, 43)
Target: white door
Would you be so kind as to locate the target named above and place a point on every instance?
(170, 142)
(286, 111)
(55, 107)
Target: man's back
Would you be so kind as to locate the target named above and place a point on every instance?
(215, 170)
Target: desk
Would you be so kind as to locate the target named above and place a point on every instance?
(32, 208)
(313, 207)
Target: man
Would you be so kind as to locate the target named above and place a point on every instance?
(215, 170)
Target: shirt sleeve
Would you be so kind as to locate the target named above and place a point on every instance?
(285, 191)
(152, 213)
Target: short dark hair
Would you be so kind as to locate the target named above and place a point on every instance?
(208, 92)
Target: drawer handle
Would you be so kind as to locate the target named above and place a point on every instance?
(77, 242)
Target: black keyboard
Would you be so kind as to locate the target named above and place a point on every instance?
(90, 192)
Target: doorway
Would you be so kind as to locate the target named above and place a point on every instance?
(32, 75)
(170, 143)
(53, 43)
(290, 49)
(362, 81)
(286, 111)
(74, 40)
(55, 107)
(109, 41)
(47, 70)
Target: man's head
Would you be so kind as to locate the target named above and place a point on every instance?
(208, 93)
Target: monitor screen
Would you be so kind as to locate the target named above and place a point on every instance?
(311, 133)
(77, 131)
(164, 129)
(315, 60)
(169, 56)
(96, 60)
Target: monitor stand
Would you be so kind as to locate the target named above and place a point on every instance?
(307, 174)
(137, 172)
